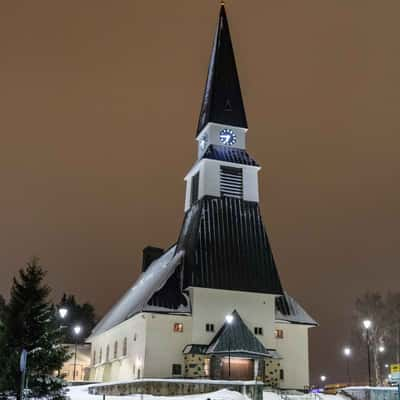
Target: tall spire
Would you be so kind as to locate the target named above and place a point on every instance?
(222, 102)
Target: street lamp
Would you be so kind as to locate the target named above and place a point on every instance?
(381, 349)
(347, 354)
(77, 331)
(229, 319)
(367, 325)
(63, 312)
(323, 378)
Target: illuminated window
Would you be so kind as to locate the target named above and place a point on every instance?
(125, 347)
(178, 327)
(115, 349)
(279, 333)
(209, 327)
(258, 330)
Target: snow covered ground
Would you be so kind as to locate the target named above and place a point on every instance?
(82, 393)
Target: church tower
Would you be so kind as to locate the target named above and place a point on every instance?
(223, 237)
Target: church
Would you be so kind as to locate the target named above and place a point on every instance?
(212, 305)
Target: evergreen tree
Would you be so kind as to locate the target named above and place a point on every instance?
(30, 322)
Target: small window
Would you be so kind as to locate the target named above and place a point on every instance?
(107, 353)
(94, 358)
(115, 349)
(101, 356)
(178, 327)
(135, 337)
(125, 347)
(279, 333)
(194, 189)
(281, 375)
(209, 327)
(176, 369)
(258, 330)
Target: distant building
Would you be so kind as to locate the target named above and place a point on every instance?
(83, 363)
(172, 322)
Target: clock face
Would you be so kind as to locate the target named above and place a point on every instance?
(227, 137)
(203, 142)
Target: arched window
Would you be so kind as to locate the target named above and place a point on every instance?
(115, 349)
(94, 357)
(125, 347)
(101, 356)
(108, 353)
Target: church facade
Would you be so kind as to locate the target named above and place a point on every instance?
(212, 305)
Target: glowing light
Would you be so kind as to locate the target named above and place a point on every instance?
(63, 312)
(381, 349)
(229, 318)
(347, 351)
(367, 323)
(77, 329)
(323, 378)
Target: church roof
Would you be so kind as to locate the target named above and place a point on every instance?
(150, 283)
(226, 247)
(289, 310)
(222, 101)
(235, 338)
(229, 154)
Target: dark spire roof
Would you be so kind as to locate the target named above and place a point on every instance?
(222, 102)
(236, 339)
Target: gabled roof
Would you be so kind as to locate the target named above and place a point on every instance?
(149, 284)
(222, 101)
(289, 310)
(229, 154)
(236, 339)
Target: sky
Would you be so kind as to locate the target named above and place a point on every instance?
(99, 104)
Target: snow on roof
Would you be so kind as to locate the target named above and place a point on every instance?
(136, 298)
(289, 310)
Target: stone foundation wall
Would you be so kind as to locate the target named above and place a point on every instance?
(196, 366)
(175, 388)
(272, 368)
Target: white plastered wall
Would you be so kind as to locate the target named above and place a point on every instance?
(164, 347)
(209, 182)
(212, 306)
(294, 351)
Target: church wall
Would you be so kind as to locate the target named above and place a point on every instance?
(164, 346)
(293, 348)
(123, 366)
(212, 306)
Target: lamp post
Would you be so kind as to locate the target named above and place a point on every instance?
(367, 326)
(229, 320)
(347, 354)
(323, 378)
(77, 331)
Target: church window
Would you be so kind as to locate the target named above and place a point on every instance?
(258, 330)
(125, 347)
(94, 357)
(176, 369)
(107, 353)
(115, 349)
(231, 182)
(194, 189)
(178, 327)
(279, 333)
(101, 356)
(135, 337)
(209, 327)
(281, 374)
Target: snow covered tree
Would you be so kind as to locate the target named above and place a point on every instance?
(30, 322)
